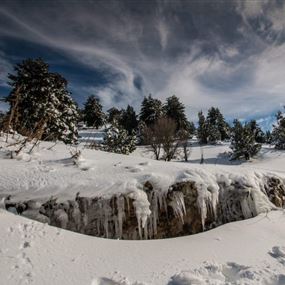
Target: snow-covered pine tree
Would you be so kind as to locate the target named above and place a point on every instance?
(114, 115)
(202, 130)
(129, 120)
(117, 140)
(151, 110)
(222, 125)
(190, 128)
(268, 137)
(214, 134)
(243, 142)
(40, 104)
(218, 129)
(62, 112)
(93, 113)
(259, 135)
(278, 133)
(175, 110)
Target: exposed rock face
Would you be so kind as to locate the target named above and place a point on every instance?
(275, 190)
(186, 208)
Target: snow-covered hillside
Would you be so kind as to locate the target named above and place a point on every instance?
(245, 252)
(51, 171)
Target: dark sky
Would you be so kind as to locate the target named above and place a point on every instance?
(225, 53)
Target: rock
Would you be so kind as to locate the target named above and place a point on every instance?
(275, 190)
(184, 209)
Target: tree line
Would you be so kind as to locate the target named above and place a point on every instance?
(41, 108)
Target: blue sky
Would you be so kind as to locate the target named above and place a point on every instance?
(229, 54)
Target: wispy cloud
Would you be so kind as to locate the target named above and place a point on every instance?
(230, 54)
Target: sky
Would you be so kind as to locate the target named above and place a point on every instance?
(224, 53)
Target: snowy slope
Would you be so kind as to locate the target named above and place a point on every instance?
(246, 252)
(49, 172)
(217, 155)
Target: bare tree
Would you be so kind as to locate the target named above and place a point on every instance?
(184, 136)
(162, 135)
(152, 138)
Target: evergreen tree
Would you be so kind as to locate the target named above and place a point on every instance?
(259, 135)
(202, 130)
(214, 134)
(175, 110)
(40, 104)
(190, 128)
(222, 125)
(93, 114)
(218, 129)
(114, 115)
(129, 120)
(117, 140)
(243, 142)
(151, 110)
(268, 137)
(278, 133)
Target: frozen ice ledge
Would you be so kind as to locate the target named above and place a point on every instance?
(196, 202)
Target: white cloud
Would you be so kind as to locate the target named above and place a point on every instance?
(241, 85)
(163, 33)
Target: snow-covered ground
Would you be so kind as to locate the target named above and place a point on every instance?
(49, 172)
(247, 252)
(218, 155)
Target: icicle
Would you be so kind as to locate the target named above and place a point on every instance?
(141, 205)
(150, 230)
(120, 215)
(107, 211)
(98, 226)
(146, 232)
(164, 203)
(178, 205)
(128, 205)
(154, 211)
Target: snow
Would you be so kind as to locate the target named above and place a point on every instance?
(246, 252)
(53, 172)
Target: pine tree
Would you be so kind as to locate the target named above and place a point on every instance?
(243, 142)
(2, 120)
(259, 135)
(190, 128)
(218, 129)
(40, 104)
(278, 133)
(117, 140)
(151, 110)
(114, 115)
(175, 110)
(268, 137)
(129, 120)
(202, 130)
(222, 125)
(93, 114)
(214, 134)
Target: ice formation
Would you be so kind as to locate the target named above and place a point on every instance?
(142, 209)
(213, 197)
(178, 205)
